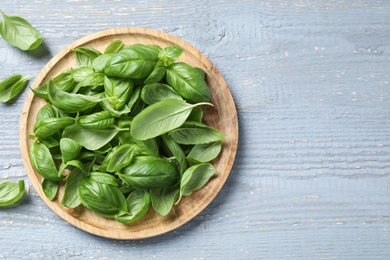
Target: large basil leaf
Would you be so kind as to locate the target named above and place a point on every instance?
(85, 55)
(43, 163)
(148, 172)
(160, 118)
(45, 127)
(70, 149)
(156, 92)
(114, 47)
(92, 139)
(50, 188)
(176, 151)
(71, 196)
(157, 74)
(47, 111)
(196, 135)
(103, 199)
(136, 61)
(121, 158)
(99, 63)
(10, 192)
(169, 54)
(187, 81)
(99, 120)
(11, 86)
(120, 89)
(18, 32)
(138, 203)
(204, 152)
(64, 81)
(164, 198)
(68, 102)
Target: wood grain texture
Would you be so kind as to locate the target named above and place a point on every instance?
(311, 83)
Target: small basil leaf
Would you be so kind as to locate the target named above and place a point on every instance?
(156, 92)
(99, 120)
(196, 115)
(176, 151)
(50, 142)
(80, 73)
(134, 97)
(85, 55)
(70, 149)
(47, 111)
(196, 135)
(138, 203)
(163, 199)
(43, 163)
(118, 88)
(204, 152)
(169, 54)
(114, 47)
(99, 63)
(18, 32)
(10, 192)
(45, 127)
(50, 188)
(71, 198)
(11, 86)
(104, 178)
(94, 80)
(157, 74)
(112, 111)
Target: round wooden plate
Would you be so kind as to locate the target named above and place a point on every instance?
(222, 116)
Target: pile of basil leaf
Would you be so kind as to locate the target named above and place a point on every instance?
(127, 124)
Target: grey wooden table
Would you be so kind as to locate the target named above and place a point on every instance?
(311, 83)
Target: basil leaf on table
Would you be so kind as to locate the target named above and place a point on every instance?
(148, 172)
(18, 32)
(138, 203)
(157, 74)
(99, 63)
(120, 89)
(157, 92)
(169, 54)
(201, 153)
(187, 81)
(43, 163)
(196, 135)
(132, 62)
(99, 120)
(103, 199)
(46, 127)
(11, 86)
(161, 118)
(47, 111)
(164, 198)
(10, 192)
(70, 149)
(114, 47)
(50, 188)
(176, 151)
(71, 196)
(85, 55)
(121, 158)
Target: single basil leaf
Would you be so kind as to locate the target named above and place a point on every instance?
(118, 88)
(134, 97)
(121, 158)
(136, 61)
(187, 81)
(161, 118)
(68, 102)
(46, 127)
(204, 152)
(18, 32)
(196, 115)
(103, 177)
(95, 79)
(148, 172)
(80, 73)
(114, 47)
(99, 120)
(99, 63)
(11, 86)
(50, 142)
(156, 92)
(138, 203)
(85, 55)
(47, 111)
(163, 199)
(92, 139)
(43, 163)
(10, 192)
(196, 135)
(103, 199)
(50, 188)
(70, 149)
(157, 74)
(169, 54)
(71, 196)
(176, 151)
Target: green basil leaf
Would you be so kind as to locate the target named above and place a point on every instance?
(103, 177)
(80, 73)
(142, 147)
(103, 199)
(156, 92)
(187, 81)
(50, 142)
(176, 151)
(85, 55)
(201, 72)
(50, 188)
(71, 196)
(11, 86)
(138, 203)
(99, 63)
(92, 139)
(134, 97)
(136, 61)
(68, 102)
(47, 111)
(43, 163)
(196, 135)
(70, 149)
(120, 89)
(169, 54)
(163, 199)
(94, 80)
(157, 74)
(18, 32)
(106, 161)
(147, 172)
(64, 81)
(196, 115)
(114, 47)
(161, 118)
(45, 127)
(114, 112)
(99, 120)
(204, 152)
(121, 158)
(10, 192)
